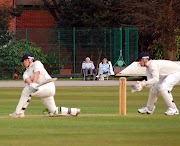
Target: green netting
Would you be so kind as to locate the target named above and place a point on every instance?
(66, 48)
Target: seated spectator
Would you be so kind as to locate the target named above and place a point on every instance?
(88, 68)
(104, 68)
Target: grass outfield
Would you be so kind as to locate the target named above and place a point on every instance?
(98, 124)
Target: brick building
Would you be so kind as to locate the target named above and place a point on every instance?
(36, 22)
(34, 15)
(12, 24)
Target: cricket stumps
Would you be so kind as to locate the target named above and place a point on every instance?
(122, 96)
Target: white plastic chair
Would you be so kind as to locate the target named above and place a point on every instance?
(109, 73)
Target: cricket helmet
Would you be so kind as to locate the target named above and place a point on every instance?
(143, 55)
(27, 56)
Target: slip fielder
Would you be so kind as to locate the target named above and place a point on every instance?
(34, 75)
(162, 76)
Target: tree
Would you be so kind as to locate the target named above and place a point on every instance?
(147, 15)
(151, 15)
(6, 14)
(82, 13)
(4, 24)
(169, 25)
(10, 58)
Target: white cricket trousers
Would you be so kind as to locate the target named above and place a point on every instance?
(163, 88)
(45, 92)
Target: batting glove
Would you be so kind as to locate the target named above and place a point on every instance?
(138, 86)
(143, 83)
(33, 87)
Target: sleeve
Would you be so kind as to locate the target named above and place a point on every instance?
(38, 66)
(107, 66)
(152, 74)
(100, 65)
(92, 65)
(83, 65)
(25, 75)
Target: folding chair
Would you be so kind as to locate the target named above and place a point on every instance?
(83, 72)
(109, 72)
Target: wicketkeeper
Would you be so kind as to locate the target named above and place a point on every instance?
(162, 76)
(34, 75)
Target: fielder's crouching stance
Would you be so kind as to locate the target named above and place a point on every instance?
(162, 75)
(34, 75)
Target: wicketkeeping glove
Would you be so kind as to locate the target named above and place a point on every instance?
(33, 87)
(138, 86)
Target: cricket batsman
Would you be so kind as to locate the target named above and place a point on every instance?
(162, 76)
(34, 75)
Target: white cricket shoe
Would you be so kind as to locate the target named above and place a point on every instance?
(176, 107)
(172, 111)
(78, 111)
(145, 110)
(75, 111)
(15, 115)
(101, 78)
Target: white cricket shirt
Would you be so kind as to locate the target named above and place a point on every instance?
(160, 68)
(35, 67)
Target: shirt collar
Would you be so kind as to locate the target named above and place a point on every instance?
(147, 64)
(31, 64)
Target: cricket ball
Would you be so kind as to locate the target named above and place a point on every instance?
(15, 76)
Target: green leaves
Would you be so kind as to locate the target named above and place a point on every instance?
(178, 47)
(157, 49)
(86, 13)
(10, 57)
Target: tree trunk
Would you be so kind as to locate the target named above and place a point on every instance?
(168, 34)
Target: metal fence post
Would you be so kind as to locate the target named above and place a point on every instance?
(13, 60)
(74, 50)
(127, 45)
(114, 44)
(120, 40)
(105, 45)
(110, 46)
(136, 51)
(59, 50)
(27, 40)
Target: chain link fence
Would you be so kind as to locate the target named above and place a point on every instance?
(66, 48)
